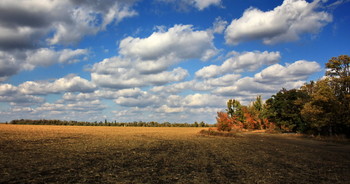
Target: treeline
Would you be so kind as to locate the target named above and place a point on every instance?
(107, 123)
(320, 108)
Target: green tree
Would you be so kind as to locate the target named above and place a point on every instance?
(284, 109)
(258, 104)
(234, 109)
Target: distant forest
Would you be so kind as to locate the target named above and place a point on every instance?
(107, 123)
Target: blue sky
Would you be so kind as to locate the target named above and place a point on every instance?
(159, 60)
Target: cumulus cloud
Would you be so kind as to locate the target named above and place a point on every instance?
(167, 109)
(144, 99)
(28, 27)
(103, 93)
(299, 70)
(15, 61)
(219, 25)
(199, 4)
(145, 61)
(8, 66)
(163, 49)
(246, 61)
(24, 24)
(202, 4)
(284, 23)
(203, 100)
(12, 94)
(126, 76)
(272, 79)
(197, 85)
(82, 106)
(70, 83)
(47, 57)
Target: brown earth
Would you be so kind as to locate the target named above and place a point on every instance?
(73, 154)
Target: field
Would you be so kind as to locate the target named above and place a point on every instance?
(73, 154)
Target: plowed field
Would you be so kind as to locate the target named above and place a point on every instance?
(73, 154)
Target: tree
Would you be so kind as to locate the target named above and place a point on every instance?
(284, 110)
(238, 116)
(258, 104)
(224, 121)
(234, 109)
(339, 71)
(339, 74)
(321, 110)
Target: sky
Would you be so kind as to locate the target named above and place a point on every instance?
(159, 60)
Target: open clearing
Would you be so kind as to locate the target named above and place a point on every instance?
(73, 154)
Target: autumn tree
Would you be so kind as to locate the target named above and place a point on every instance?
(338, 70)
(225, 122)
(321, 110)
(238, 116)
(232, 118)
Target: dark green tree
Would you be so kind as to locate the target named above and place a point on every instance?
(284, 109)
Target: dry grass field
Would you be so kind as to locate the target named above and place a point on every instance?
(73, 154)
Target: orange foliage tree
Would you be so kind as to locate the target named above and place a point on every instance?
(243, 117)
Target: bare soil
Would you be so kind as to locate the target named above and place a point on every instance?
(62, 154)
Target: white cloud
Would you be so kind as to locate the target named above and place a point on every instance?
(219, 25)
(176, 75)
(181, 41)
(163, 49)
(70, 83)
(13, 62)
(249, 61)
(144, 99)
(145, 61)
(12, 95)
(94, 105)
(271, 79)
(167, 109)
(284, 23)
(7, 89)
(299, 70)
(203, 100)
(25, 23)
(121, 73)
(173, 88)
(202, 4)
(199, 4)
(197, 85)
(46, 57)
